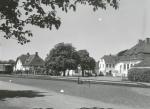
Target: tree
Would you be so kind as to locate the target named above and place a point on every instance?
(16, 14)
(86, 62)
(62, 57)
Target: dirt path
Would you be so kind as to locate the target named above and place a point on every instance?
(49, 99)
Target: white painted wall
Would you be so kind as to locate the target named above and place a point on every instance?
(102, 66)
(70, 72)
(19, 66)
(122, 68)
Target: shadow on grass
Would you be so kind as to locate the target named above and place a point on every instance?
(14, 94)
(95, 108)
(42, 108)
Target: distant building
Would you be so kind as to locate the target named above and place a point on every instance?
(29, 62)
(107, 64)
(6, 67)
(133, 56)
(127, 59)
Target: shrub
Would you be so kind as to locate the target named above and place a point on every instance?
(101, 74)
(139, 75)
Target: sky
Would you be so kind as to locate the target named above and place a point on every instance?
(101, 33)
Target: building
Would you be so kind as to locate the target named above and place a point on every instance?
(29, 63)
(145, 64)
(133, 56)
(107, 64)
(127, 59)
(6, 67)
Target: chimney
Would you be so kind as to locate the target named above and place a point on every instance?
(140, 41)
(28, 54)
(36, 53)
(147, 40)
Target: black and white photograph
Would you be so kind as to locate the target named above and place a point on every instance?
(74, 54)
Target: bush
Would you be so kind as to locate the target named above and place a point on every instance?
(139, 75)
(101, 74)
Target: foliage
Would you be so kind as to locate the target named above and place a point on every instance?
(86, 62)
(62, 57)
(65, 57)
(16, 14)
(139, 75)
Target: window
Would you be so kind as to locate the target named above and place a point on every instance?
(124, 66)
(127, 66)
(106, 65)
(120, 68)
(109, 65)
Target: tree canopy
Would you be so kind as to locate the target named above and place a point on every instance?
(86, 62)
(16, 14)
(65, 57)
(62, 57)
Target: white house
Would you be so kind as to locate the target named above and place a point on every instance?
(122, 67)
(107, 64)
(28, 62)
(133, 56)
(120, 64)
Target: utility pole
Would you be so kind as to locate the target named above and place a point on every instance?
(146, 18)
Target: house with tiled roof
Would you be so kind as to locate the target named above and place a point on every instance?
(136, 56)
(29, 62)
(133, 56)
(107, 64)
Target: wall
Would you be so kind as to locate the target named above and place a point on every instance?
(102, 66)
(122, 68)
(19, 66)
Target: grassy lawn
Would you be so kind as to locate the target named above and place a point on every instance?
(118, 95)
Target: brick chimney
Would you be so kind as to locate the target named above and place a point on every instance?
(140, 41)
(36, 53)
(28, 54)
(147, 40)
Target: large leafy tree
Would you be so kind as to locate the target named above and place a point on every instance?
(16, 14)
(62, 57)
(86, 62)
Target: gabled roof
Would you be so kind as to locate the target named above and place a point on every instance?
(137, 52)
(34, 60)
(23, 58)
(31, 60)
(141, 47)
(111, 59)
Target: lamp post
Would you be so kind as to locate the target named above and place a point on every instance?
(79, 71)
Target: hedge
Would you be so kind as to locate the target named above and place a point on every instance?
(139, 75)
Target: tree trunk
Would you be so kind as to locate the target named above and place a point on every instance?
(68, 73)
(82, 73)
(64, 73)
